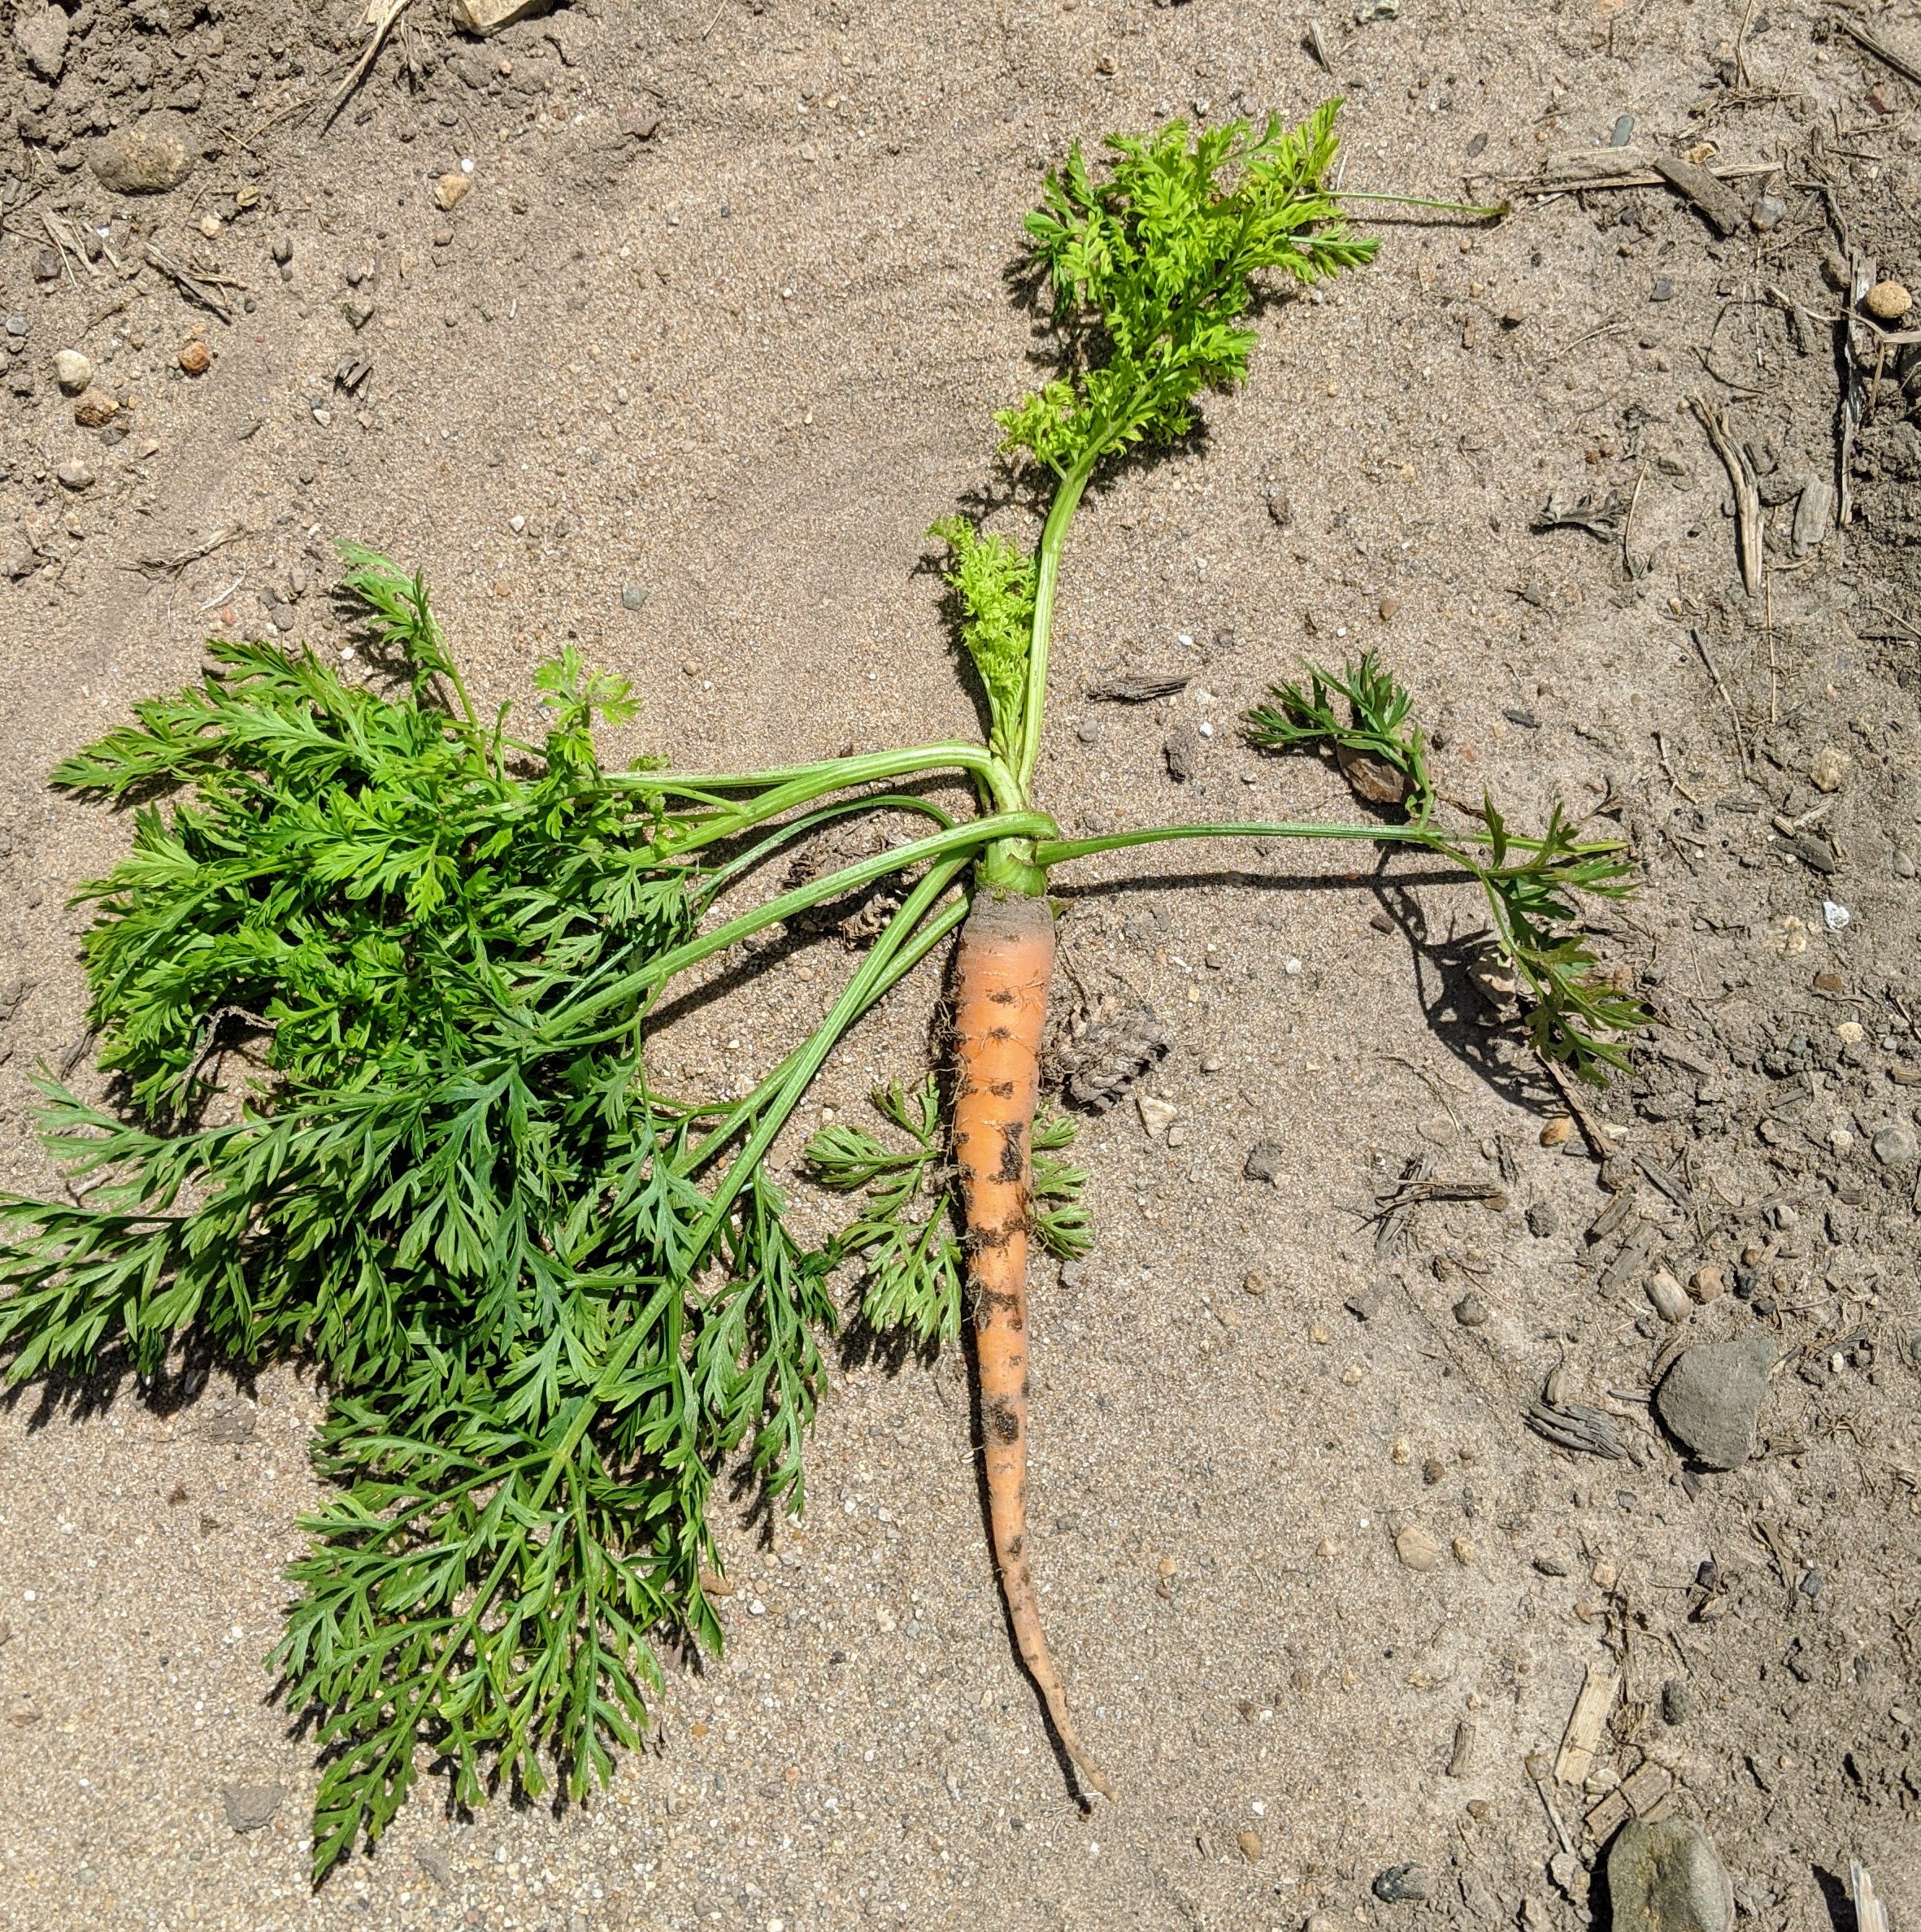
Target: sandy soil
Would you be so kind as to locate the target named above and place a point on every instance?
(723, 320)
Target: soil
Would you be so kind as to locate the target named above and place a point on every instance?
(710, 337)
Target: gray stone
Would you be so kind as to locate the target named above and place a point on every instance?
(1264, 1160)
(1666, 1877)
(75, 475)
(229, 1420)
(1471, 1311)
(146, 157)
(1403, 1884)
(1711, 1398)
(251, 1807)
(41, 35)
(633, 597)
(1894, 1146)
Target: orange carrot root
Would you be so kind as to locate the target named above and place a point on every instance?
(1004, 962)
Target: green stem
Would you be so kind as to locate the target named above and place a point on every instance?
(1057, 852)
(835, 774)
(911, 953)
(715, 882)
(859, 992)
(850, 771)
(968, 838)
(1054, 537)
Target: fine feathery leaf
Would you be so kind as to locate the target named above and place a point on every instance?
(1575, 1014)
(1152, 272)
(995, 583)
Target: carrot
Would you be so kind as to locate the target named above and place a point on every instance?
(1001, 970)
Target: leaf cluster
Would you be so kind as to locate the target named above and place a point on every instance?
(995, 583)
(547, 1303)
(906, 1234)
(1152, 270)
(1533, 885)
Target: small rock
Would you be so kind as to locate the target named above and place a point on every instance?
(41, 35)
(71, 370)
(1888, 301)
(1156, 1115)
(358, 310)
(1830, 770)
(1418, 1549)
(1555, 1132)
(1903, 864)
(46, 265)
(1181, 750)
(196, 358)
(1471, 1311)
(1894, 1146)
(1403, 1884)
(1711, 1398)
(1669, 1297)
(1464, 1551)
(75, 475)
(1255, 1281)
(1440, 1132)
(1710, 1283)
(1767, 213)
(1677, 1702)
(283, 251)
(1663, 290)
(1365, 1304)
(1542, 1220)
(1264, 1160)
(1250, 1842)
(251, 1807)
(451, 189)
(633, 597)
(1666, 1877)
(147, 156)
(95, 411)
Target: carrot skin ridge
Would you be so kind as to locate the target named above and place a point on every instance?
(1001, 969)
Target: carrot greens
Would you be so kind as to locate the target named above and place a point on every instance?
(375, 986)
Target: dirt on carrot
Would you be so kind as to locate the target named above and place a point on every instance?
(1001, 972)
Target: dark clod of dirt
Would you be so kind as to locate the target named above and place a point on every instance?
(147, 156)
(1711, 1398)
(1403, 1884)
(1544, 1220)
(1096, 1059)
(1677, 1702)
(1264, 1160)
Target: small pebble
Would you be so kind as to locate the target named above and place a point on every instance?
(1767, 213)
(1663, 290)
(1255, 1281)
(451, 189)
(1555, 1132)
(75, 475)
(195, 359)
(1471, 1311)
(283, 251)
(1418, 1549)
(1893, 1145)
(1903, 864)
(1710, 1283)
(73, 371)
(1542, 1220)
(1677, 1702)
(1888, 301)
(1464, 1551)
(1251, 1848)
(633, 597)
(1829, 771)
(1670, 1299)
